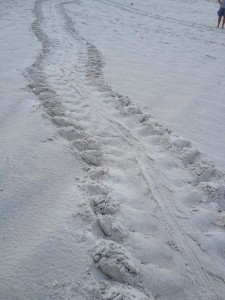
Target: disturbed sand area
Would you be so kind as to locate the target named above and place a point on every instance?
(98, 200)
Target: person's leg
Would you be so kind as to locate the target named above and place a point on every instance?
(219, 20)
(223, 22)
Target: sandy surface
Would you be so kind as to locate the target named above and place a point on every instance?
(99, 198)
(166, 61)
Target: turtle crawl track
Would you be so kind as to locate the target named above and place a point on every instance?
(68, 79)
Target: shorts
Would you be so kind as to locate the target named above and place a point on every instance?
(221, 12)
